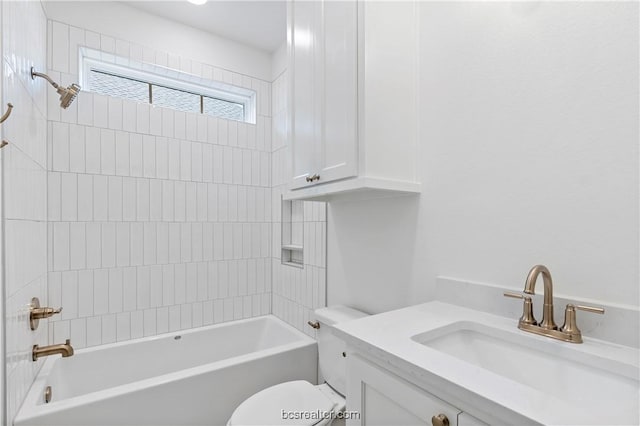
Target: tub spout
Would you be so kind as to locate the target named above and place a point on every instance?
(65, 350)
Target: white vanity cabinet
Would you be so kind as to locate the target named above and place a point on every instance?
(383, 398)
(352, 103)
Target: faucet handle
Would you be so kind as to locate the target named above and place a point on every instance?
(592, 309)
(36, 313)
(527, 308)
(512, 294)
(570, 326)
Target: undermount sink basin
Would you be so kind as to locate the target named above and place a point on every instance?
(558, 369)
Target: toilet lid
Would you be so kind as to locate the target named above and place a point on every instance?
(268, 406)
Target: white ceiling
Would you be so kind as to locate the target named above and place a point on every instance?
(260, 24)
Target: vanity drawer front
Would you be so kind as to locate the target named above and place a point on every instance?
(382, 398)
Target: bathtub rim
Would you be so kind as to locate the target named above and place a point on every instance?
(37, 407)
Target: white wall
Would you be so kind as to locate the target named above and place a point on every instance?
(159, 220)
(279, 62)
(153, 32)
(529, 154)
(25, 191)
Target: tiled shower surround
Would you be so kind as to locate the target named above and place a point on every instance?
(160, 245)
(161, 220)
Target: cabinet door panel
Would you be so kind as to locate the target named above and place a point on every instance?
(381, 410)
(303, 74)
(380, 397)
(339, 48)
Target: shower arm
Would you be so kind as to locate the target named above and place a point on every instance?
(35, 74)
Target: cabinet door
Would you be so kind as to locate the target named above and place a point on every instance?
(304, 76)
(381, 398)
(339, 148)
(323, 49)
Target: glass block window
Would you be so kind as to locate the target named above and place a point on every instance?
(176, 99)
(223, 109)
(119, 87)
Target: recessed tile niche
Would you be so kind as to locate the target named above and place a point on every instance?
(292, 233)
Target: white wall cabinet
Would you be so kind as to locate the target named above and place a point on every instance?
(352, 101)
(383, 398)
(324, 67)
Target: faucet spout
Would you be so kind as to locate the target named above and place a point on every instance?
(66, 350)
(529, 288)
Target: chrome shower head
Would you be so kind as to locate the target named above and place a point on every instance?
(67, 95)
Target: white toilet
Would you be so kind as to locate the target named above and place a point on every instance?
(268, 406)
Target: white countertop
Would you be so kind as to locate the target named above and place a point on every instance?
(386, 338)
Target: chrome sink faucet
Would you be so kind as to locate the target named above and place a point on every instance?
(569, 332)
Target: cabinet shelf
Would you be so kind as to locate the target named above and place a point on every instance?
(294, 264)
(354, 189)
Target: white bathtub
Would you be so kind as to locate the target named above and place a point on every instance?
(194, 377)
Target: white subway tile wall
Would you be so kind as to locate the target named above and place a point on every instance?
(296, 291)
(23, 35)
(159, 220)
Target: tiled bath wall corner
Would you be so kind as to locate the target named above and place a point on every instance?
(297, 292)
(23, 35)
(159, 220)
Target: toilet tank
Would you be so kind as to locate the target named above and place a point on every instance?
(332, 364)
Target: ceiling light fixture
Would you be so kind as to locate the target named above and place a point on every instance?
(197, 2)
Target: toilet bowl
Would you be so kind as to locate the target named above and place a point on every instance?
(288, 404)
(300, 402)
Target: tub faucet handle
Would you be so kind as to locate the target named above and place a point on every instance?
(37, 313)
(314, 324)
